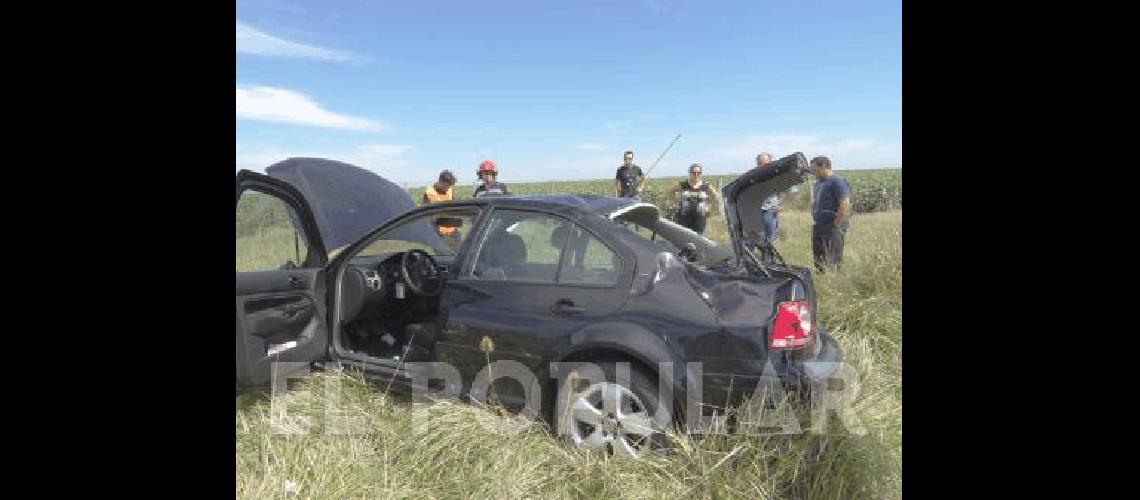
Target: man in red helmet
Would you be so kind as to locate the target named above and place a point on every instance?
(490, 187)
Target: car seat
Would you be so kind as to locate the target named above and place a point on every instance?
(504, 257)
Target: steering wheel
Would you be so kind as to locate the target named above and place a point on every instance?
(421, 273)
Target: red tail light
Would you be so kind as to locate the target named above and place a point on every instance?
(792, 327)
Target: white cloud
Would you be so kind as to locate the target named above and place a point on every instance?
(592, 147)
(286, 106)
(384, 150)
(845, 153)
(384, 159)
(255, 42)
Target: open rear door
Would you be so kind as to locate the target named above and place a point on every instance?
(744, 196)
(281, 281)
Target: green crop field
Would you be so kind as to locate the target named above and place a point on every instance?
(455, 454)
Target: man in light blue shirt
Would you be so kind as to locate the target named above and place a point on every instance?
(772, 205)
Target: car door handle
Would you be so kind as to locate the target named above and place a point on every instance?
(566, 307)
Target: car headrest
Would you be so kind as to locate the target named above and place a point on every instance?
(559, 236)
(506, 248)
(511, 248)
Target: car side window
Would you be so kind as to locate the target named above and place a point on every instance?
(521, 245)
(588, 261)
(269, 235)
(439, 233)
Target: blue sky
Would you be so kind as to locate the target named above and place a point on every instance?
(558, 89)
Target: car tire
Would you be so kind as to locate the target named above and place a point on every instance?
(620, 417)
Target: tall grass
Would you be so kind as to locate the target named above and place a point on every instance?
(398, 453)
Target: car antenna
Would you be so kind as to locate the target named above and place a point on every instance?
(662, 155)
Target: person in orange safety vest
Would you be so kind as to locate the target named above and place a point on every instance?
(443, 191)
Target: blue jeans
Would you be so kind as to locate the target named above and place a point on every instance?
(771, 224)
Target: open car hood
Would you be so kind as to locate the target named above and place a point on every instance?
(744, 196)
(347, 201)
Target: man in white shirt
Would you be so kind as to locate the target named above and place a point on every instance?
(773, 204)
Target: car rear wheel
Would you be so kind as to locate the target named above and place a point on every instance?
(621, 417)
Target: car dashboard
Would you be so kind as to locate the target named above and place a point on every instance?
(375, 284)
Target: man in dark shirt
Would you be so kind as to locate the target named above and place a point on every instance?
(831, 206)
(490, 186)
(629, 178)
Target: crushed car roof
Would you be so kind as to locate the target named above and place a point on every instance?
(601, 205)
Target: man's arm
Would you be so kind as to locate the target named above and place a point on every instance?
(844, 203)
(640, 179)
(714, 198)
(844, 209)
(617, 187)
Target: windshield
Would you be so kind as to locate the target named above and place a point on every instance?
(651, 235)
(439, 233)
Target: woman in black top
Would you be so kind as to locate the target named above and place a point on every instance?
(697, 200)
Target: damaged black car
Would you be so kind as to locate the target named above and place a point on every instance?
(338, 266)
